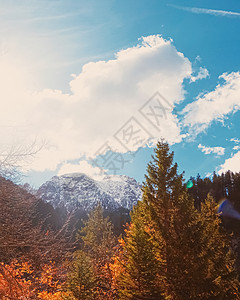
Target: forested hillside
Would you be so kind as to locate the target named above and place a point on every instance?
(175, 246)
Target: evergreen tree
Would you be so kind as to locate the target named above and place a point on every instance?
(161, 194)
(193, 257)
(99, 243)
(81, 279)
(218, 262)
(138, 263)
(97, 235)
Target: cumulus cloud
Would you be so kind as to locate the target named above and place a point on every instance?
(203, 73)
(232, 164)
(102, 98)
(214, 105)
(209, 150)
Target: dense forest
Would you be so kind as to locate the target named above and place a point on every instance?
(175, 246)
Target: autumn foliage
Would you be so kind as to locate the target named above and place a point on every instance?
(21, 281)
(172, 249)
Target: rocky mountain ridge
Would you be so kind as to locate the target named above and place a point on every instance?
(78, 191)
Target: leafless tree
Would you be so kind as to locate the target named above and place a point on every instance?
(14, 157)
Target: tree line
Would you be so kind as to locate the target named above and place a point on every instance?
(175, 247)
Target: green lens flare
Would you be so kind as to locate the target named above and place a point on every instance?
(189, 184)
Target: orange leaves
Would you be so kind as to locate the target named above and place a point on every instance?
(19, 281)
(121, 242)
(48, 276)
(13, 281)
(54, 296)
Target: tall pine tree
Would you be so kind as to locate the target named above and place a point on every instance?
(138, 278)
(192, 253)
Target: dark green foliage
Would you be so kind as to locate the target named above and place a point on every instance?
(192, 253)
(139, 276)
(98, 243)
(81, 280)
(97, 236)
(226, 185)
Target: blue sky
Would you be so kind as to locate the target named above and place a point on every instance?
(74, 72)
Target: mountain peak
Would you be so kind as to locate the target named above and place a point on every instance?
(79, 191)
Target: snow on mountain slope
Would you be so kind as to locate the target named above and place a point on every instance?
(78, 191)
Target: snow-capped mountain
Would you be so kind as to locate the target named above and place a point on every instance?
(79, 191)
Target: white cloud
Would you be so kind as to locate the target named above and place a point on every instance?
(214, 105)
(209, 150)
(235, 140)
(104, 95)
(203, 73)
(81, 167)
(232, 164)
(236, 147)
(214, 12)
